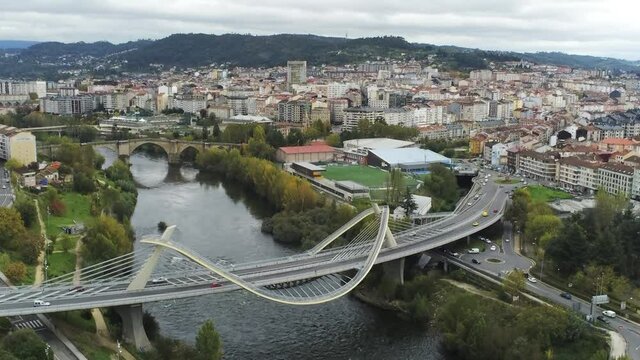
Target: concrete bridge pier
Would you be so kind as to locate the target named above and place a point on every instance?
(445, 265)
(394, 271)
(132, 327)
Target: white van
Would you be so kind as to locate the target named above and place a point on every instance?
(41, 303)
(473, 251)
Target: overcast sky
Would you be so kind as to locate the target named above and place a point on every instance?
(594, 27)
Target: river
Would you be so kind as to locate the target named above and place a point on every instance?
(222, 221)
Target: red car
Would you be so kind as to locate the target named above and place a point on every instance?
(495, 211)
(215, 284)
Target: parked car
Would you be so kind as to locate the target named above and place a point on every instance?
(475, 261)
(602, 318)
(493, 248)
(532, 279)
(566, 295)
(474, 251)
(41, 303)
(609, 313)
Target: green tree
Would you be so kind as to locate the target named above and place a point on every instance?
(409, 204)
(105, 239)
(514, 282)
(208, 344)
(518, 211)
(27, 210)
(11, 227)
(395, 184)
(26, 345)
(542, 228)
(441, 185)
(15, 271)
(333, 140)
(12, 165)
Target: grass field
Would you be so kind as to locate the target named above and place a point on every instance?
(545, 194)
(77, 206)
(61, 263)
(365, 175)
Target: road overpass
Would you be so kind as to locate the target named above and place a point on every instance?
(319, 275)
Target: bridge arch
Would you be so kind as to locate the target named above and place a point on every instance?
(135, 145)
(268, 292)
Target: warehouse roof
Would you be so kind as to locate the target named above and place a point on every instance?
(408, 156)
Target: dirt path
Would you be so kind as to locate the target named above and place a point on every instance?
(39, 273)
(470, 288)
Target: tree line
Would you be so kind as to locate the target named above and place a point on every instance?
(596, 250)
(304, 217)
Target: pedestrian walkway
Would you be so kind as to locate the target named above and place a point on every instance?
(30, 324)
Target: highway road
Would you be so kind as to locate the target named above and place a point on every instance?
(182, 284)
(630, 331)
(6, 193)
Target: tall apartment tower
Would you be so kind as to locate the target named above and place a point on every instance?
(296, 72)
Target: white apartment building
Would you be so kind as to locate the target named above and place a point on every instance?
(616, 178)
(377, 98)
(353, 115)
(481, 75)
(635, 188)
(538, 166)
(24, 88)
(17, 145)
(67, 105)
(578, 175)
(337, 90)
(188, 103)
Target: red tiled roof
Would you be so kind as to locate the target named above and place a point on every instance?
(307, 149)
(619, 141)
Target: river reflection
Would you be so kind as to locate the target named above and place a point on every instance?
(222, 220)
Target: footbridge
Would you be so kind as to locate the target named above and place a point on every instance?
(124, 148)
(163, 269)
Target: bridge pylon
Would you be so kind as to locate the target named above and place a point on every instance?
(132, 326)
(144, 275)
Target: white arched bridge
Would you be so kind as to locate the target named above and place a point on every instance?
(161, 269)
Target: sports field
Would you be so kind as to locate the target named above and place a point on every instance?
(365, 175)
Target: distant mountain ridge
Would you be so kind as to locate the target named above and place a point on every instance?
(16, 44)
(194, 50)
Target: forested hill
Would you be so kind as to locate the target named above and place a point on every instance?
(193, 50)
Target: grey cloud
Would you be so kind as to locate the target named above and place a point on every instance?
(595, 27)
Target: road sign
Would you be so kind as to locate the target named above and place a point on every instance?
(600, 299)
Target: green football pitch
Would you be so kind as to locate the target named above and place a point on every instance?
(365, 175)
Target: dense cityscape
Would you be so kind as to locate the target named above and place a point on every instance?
(311, 197)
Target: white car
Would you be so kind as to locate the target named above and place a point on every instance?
(506, 240)
(41, 303)
(609, 313)
(493, 248)
(469, 204)
(159, 280)
(532, 279)
(455, 254)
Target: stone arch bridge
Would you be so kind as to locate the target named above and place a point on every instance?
(124, 148)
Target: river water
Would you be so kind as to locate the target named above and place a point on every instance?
(221, 220)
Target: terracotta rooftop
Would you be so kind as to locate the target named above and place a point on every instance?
(307, 149)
